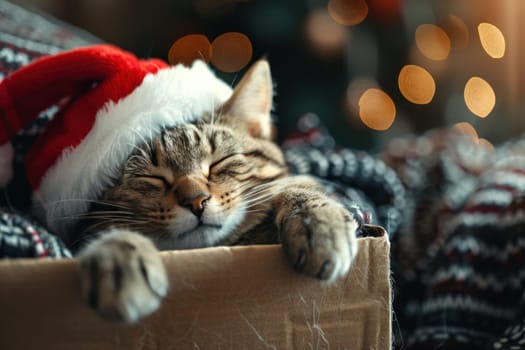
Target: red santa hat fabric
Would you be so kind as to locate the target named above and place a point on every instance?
(110, 101)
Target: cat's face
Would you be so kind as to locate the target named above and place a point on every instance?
(197, 184)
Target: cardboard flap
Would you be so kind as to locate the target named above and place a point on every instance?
(220, 298)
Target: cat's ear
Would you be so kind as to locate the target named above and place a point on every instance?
(251, 101)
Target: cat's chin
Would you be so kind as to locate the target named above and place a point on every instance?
(200, 237)
(205, 233)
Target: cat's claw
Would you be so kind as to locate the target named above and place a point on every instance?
(321, 241)
(123, 277)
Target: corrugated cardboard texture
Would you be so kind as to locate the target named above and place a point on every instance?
(220, 298)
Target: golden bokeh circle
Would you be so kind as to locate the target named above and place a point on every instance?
(416, 84)
(189, 48)
(325, 36)
(465, 128)
(479, 97)
(433, 42)
(376, 109)
(348, 12)
(232, 52)
(492, 40)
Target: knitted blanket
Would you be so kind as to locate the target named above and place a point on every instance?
(459, 257)
(453, 207)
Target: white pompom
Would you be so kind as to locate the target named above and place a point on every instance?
(6, 163)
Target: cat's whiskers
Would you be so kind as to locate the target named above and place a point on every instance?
(235, 76)
(94, 201)
(249, 193)
(258, 192)
(263, 192)
(113, 212)
(111, 216)
(142, 138)
(212, 112)
(258, 188)
(251, 189)
(256, 204)
(258, 200)
(253, 195)
(100, 217)
(87, 235)
(255, 211)
(221, 108)
(116, 218)
(250, 197)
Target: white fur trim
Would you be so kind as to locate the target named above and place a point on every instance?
(6, 163)
(172, 96)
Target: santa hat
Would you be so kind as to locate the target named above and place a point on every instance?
(110, 101)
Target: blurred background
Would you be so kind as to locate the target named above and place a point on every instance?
(369, 70)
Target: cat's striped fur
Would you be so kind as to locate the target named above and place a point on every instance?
(217, 181)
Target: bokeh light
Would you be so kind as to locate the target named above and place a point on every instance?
(232, 51)
(457, 31)
(376, 109)
(433, 42)
(492, 40)
(479, 97)
(348, 12)
(190, 48)
(465, 128)
(416, 84)
(324, 35)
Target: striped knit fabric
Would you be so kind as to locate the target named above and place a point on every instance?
(460, 256)
(21, 237)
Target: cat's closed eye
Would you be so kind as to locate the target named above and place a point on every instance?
(234, 164)
(156, 180)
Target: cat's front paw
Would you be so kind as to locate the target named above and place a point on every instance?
(320, 239)
(123, 277)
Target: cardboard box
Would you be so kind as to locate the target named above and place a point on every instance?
(220, 298)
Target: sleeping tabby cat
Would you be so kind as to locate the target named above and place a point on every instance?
(219, 181)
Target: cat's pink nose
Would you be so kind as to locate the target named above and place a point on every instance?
(196, 204)
(192, 192)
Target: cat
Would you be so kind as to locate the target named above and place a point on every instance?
(218, 181)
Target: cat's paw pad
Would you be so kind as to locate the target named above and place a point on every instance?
(321, 240)
(123, 277)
